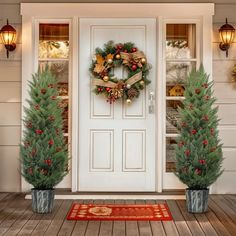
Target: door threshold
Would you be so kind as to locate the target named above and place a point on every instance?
(116, 196)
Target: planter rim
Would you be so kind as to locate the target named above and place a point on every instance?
(194, 189)
(43, 189)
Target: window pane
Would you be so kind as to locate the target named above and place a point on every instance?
(177, 72)
(58, 68)
(170, 154)
(180, 41)
(172, 116)
(53, 41)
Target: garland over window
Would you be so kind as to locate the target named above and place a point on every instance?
(115, 55)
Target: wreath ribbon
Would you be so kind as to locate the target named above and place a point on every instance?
(132, 80)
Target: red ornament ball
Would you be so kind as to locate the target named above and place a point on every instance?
(193, 131)
(38, 131)
(43, 91)
(134, 49)
(134, 67)
(108, 89)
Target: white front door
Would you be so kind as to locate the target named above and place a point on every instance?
(116, 142)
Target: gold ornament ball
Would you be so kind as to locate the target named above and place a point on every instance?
(128, 86)
(128, 101)
(110, 61)
(117, 56)
(105, 78)
(143, 60)
(142, 82)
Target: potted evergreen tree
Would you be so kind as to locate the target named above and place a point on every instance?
(198, 151)
(44, 154)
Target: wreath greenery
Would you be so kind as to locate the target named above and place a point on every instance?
(115, 55)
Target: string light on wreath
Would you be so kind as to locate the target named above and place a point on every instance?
(117, 55)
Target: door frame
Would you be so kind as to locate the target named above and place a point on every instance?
(31, 12)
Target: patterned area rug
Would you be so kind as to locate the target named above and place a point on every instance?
(119, 212)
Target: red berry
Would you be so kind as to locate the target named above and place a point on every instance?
(205, 118)
(43, 91)
(205, 142)
(38, 131)
(197, 91)
(119, 46)
(134, 49)
(51, 142)
(134, 67)
(37, 107)
(207, 97)
(187, 152)
(194, 131)
(198, 171)
(202, 161)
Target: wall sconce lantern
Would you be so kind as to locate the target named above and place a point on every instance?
(227, 33)
(8, 37)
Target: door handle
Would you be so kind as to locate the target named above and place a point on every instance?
(151, 107)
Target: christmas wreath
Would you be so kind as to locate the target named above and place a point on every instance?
(115, 55)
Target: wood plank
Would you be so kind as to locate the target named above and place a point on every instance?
(47, 219)
(30, 225)
(205, 224)
(169, 226)
(144, 226)
(223, 217)
(217, 225)
(181, 225)
(191, 221)
(224, 205)
(131, 226)
(3, 195)
(119, 225)
(93, 225)
(156, 226)
(106, 226)
(13, 212)
(58, 220)
(17, 226)
(67, 226)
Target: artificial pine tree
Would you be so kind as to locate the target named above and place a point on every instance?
(198, 152)
(44, 154)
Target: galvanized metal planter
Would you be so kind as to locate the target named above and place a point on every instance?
(197, 200)
(42, 200)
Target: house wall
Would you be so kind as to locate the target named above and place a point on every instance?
(10, 97)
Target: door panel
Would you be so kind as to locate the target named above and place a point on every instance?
(117, 141)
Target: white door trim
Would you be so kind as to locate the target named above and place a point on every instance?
(74, 11)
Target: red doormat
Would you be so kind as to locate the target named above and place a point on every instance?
(119, 212)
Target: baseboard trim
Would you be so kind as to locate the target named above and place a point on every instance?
(114, 197)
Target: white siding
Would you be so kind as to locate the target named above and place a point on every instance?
(10, 97)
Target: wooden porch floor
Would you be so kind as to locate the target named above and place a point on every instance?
(16, 218)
